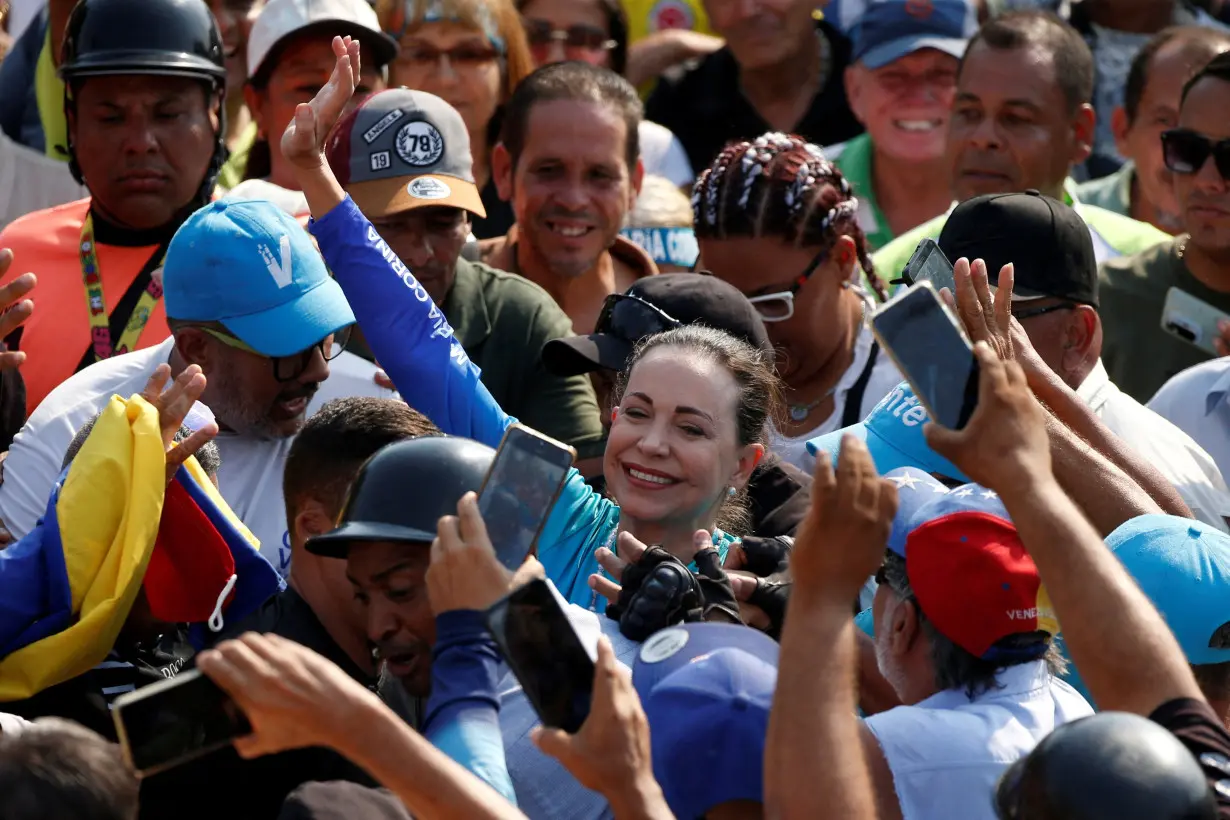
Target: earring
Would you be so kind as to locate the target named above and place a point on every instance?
(731, 491)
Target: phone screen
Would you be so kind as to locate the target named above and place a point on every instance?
(174, 721)
(544, 652)
(928, 264)
(520, 490)
(932, 354)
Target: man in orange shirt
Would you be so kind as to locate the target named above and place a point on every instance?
(145, 135)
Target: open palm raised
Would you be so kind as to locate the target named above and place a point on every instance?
(303, 142)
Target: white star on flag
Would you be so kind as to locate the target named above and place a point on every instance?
(989, 494)
(964, 492)
(907, 481)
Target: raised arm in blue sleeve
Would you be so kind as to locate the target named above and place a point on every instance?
(406, 331)
(463, 712)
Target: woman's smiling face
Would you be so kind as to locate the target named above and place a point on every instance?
(673, 448)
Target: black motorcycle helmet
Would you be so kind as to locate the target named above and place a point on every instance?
(1112, 766)
(173, 38)
(404, 490)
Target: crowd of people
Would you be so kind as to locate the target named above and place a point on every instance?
(277, 277)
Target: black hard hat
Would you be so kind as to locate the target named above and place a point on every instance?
(172, 37)
(1112, 766)
(404, 490)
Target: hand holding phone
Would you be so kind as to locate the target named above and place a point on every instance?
(555, 669)
(520, 489)
(928, 346)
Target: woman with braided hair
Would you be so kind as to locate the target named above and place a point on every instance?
(778, 221)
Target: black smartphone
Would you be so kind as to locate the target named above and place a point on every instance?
(173, 721)
(542, 649)
(520, 489)
(930, 349)
(928, 264)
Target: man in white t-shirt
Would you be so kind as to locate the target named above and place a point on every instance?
(964, 636)
(248, 299)
(1055, 298)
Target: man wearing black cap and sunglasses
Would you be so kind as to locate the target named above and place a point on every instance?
(777, 491)
(1140, 355)
(1055, 297)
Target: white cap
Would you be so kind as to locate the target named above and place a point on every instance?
(281, 18)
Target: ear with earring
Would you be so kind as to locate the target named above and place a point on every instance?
(731, 491)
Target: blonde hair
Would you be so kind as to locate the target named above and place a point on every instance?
(397, 16)
(660, 205)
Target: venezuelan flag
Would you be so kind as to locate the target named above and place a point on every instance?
(67, 588)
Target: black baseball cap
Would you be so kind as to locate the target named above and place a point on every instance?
(1047, 241)
(653, 305)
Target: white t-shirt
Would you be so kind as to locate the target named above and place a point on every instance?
(884, 378)
(947, 752)
(250, 478)
(1174, 453)
(662, 154)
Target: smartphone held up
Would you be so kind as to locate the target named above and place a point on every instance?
(925, 340)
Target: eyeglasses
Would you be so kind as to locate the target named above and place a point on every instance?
(1186, 151)
(632, 319)
(579, 37)
(1022, 315)
(466, 55)
(288, 368)
(779, 306)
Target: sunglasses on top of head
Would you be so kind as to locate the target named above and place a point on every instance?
(778, 306)
(1186, 151)
(631, 318)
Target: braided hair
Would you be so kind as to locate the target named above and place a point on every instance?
(779, 186)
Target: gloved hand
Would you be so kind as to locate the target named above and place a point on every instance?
(761, 556)
(659, 591)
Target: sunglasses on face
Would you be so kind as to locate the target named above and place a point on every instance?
(779, 305)
(468, 55)
(1186, 151)
(289, 368)
(579, 37)
(632, 319)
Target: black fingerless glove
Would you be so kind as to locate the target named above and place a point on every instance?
(659, 591)
(766, 556)
(772, 597)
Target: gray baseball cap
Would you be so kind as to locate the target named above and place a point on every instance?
(402, 149)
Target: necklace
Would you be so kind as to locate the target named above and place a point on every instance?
(1181, 248)
(800, 412)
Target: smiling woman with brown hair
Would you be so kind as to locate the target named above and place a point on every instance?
(471, 54)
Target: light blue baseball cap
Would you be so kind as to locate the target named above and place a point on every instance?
(1183, 566)
(890, 29)
(250, 266)
(893, 433)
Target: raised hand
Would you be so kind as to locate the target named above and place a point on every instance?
(611, 752)
(303, 142)
(464, 571)
(985, 316)
(843, 536)
(16, 309)
(173, 404)
(1004, 446)
(292, 696)
(630, 551)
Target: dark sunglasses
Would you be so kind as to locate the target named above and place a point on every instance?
(632, 319)
(289, 368)
(1186, 151)
(580, 37)
(1022, 315)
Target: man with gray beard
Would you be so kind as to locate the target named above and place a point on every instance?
(249, 300)
(569, 162)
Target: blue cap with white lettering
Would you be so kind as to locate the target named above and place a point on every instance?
(251, 267)
(890, 29)
(893, 433)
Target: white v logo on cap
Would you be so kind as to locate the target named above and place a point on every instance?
(280, 271)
